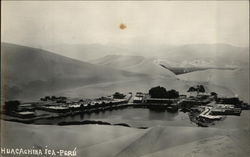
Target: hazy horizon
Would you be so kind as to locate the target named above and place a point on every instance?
(40, 24)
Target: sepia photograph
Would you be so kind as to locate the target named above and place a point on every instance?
(125, 79)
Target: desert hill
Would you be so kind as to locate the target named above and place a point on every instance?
(28, 72)
(236, 80)
(138, 64)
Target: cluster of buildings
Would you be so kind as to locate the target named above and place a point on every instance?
(205, 114)
(226, 109)
(87, 105)
(139, 97)
(203, 108)
(16, 109)
(208, 105)
(161, 104)
(59, 106)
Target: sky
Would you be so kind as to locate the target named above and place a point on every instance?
(41, 23)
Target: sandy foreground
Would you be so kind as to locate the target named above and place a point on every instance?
(119, 141)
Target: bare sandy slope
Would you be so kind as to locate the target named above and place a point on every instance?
(136, 85)
(31, 73)
(47, 73)
(133, 85)
(137, 64)
(85, 138)
(157, 76)
(217, 146)
(118, 141)
(118, 61)
(235, 80)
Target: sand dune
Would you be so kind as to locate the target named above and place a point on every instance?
(81, 136)
(47, 73)
(216, 146)
(159, 138)
(133, 85)
(30, 72)
(141, 84)
(118, 141)
(235, 80)
(119, 61)
(110, 147)
(138, 64)
(213, 80)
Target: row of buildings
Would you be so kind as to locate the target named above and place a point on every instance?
(57, 106)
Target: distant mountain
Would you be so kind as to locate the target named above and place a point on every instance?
(29, 72)
(198, 55)
(137, 64)
(206, 55)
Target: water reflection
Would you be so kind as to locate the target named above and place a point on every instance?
(132, 114)
(158, 115)
(141, 116)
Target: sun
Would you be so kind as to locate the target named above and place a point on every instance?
(122, 26)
